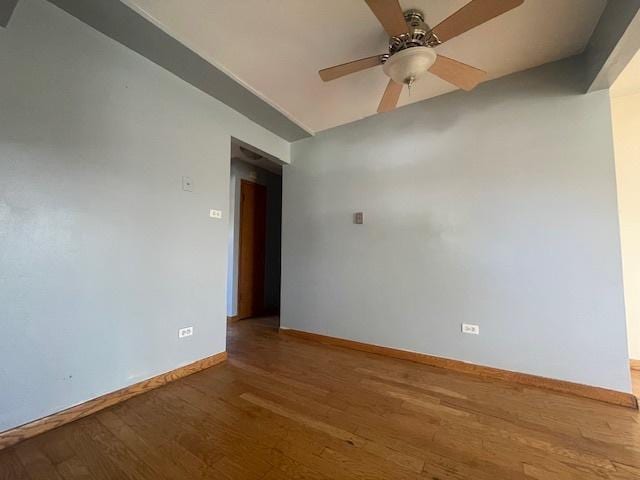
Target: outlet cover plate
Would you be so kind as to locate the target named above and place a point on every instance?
(470, 329)
(185, 332)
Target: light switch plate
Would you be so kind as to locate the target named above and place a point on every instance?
(187, 184)
(215, 213)
(358, 218)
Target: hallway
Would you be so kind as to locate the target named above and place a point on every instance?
(283, 408)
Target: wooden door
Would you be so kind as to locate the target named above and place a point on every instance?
(253, 221)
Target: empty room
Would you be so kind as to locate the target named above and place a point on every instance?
(319, 239)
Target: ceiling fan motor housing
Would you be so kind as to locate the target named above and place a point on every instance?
(411, 54)
(418, 35)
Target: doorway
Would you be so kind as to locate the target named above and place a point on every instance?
(255, 216)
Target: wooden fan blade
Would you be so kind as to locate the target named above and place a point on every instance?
(390, 97)
(390, 15)
(471, 15)
(460, 74)
(338, 71)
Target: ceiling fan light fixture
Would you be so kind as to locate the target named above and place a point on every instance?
(411, 42)
(409, 65)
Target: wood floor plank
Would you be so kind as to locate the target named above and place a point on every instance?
(10, 466)
(73, 469)
(55, 446)
(35, 462)
(402, 460)
(90, 452)
(159, 438)
(128, 436)
(284, 409)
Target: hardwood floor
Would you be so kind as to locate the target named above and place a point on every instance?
(283, 408)
(635, 381)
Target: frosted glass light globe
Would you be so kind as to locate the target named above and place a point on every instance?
(410, 64)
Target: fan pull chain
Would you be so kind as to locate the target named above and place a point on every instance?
(410, 83)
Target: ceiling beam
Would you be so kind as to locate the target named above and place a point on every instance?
(6, 10)
(121, 23)
(615, 40)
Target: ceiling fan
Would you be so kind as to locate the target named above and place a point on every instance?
(411, 43)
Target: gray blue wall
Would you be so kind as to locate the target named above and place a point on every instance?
(103, 256)
(496, 208)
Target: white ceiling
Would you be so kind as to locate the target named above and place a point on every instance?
(276, 47)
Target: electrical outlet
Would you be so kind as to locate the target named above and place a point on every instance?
(185, 332)
(215, 213)
(471, 329)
